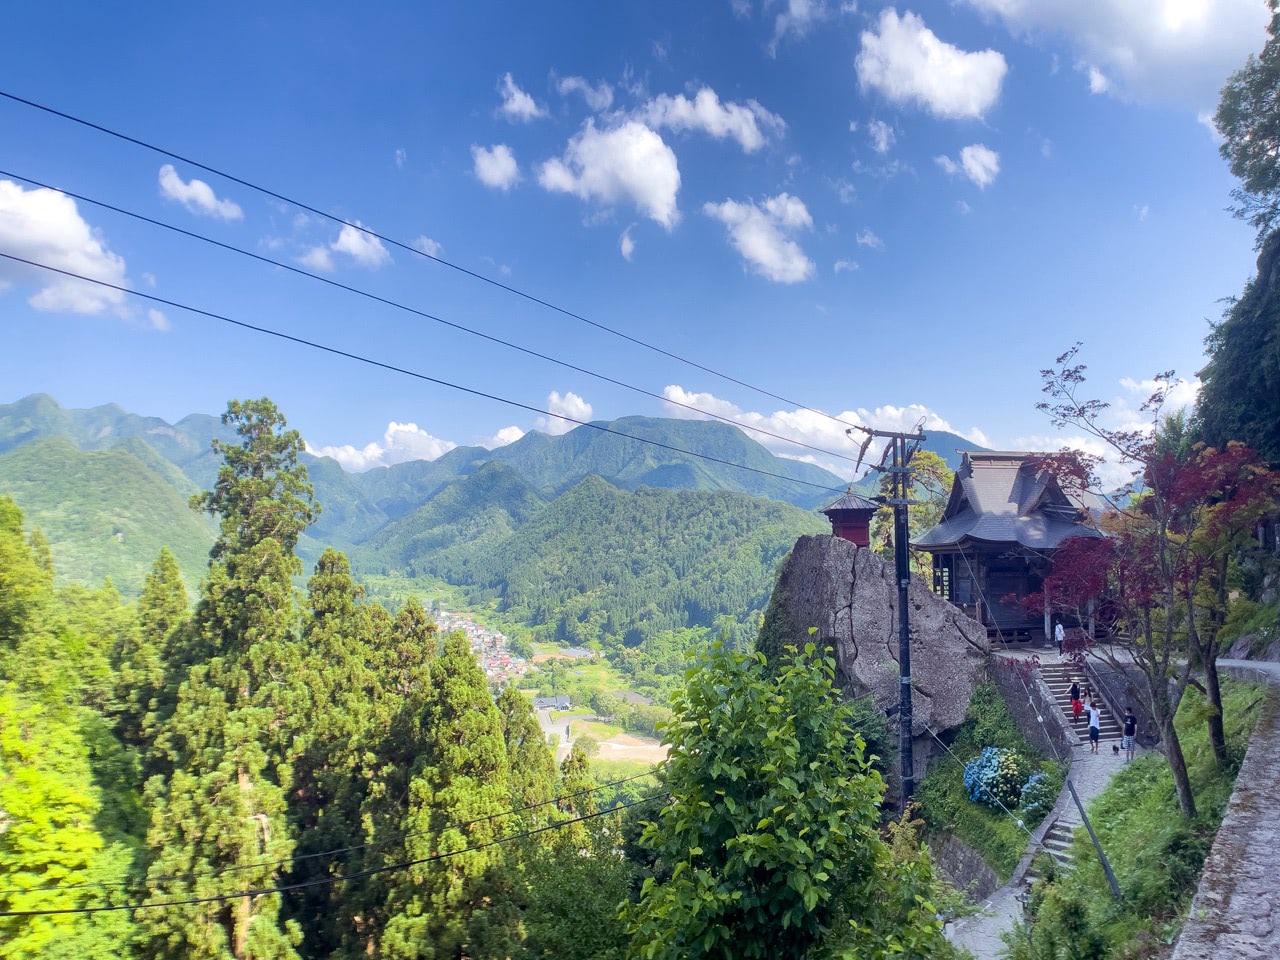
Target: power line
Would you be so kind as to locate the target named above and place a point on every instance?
(324, 881)
(409, 248)
(330, 853)
(423, 314)
(325, 348)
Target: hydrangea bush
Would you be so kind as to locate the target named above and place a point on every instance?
(1038, 797)
(995, 777)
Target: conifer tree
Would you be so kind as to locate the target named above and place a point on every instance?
(147, 654)
(458, 791)
(218, 823)
(533, 767)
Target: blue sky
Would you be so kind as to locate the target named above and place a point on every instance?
(878, 211)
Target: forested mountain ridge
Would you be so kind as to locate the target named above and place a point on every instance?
(597, 563)
(107, 512)
(586, 536)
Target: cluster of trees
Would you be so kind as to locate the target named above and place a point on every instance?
(274, 776)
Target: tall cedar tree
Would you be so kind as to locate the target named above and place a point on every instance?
(340, 638)
(459, 787)
(144, 658)
(771, 830)
(392, 750)
(533, 767)
(230, 740)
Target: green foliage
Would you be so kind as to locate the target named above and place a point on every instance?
(770, 833)
(944, 797)
(1248, 120)
(1258, 621)
(25, 584)
(49, 838)
(1157, 855)
(1240, 397)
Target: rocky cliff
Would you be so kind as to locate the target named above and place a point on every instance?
(850, 596)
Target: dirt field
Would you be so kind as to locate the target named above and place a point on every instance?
(626, 747)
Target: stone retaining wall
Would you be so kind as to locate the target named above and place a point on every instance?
(963, 867)
(1034, 709)
(1236, 910)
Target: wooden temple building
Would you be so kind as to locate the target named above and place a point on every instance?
(1005, 517)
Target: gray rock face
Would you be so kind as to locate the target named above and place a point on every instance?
(849, 594)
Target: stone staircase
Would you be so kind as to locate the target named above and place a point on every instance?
(1058, 677)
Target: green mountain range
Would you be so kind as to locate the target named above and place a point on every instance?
(587, 535)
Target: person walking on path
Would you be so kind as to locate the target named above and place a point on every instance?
(1059, 635)
(1095, 723)
(1130, 731)
(1076, 706)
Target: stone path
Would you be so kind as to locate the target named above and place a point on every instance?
(1090, 773)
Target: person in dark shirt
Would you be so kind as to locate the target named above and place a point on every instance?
(1130, 730)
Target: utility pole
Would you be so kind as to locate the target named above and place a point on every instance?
(901, 448)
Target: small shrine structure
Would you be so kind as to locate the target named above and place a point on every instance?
(850, 518)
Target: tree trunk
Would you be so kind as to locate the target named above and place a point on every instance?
(1178, 766)
(1213, 693)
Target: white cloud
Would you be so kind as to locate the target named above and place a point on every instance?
(401, 156)
(1098, 82)
(866, 238)
(495, 166)
(815, 429)
(906, 62)
(364, 248)
(424, 244)
(977, 161)
(796, 20)
(502, 438)
(1168, 51)
(197, 196)
(157, 320)
(882, 136)
(626, 245)
(963, 207)
(516, 104)
(760, 234)
(1181, 394)
(401, 442)
(569, 405)
(845, 190)
(1142, 211)
(844, 266)
(750, 124)
(44, 226)
(599, 97)
(317, 258)
(628, 162)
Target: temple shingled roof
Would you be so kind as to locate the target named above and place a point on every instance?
(1007, 497)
